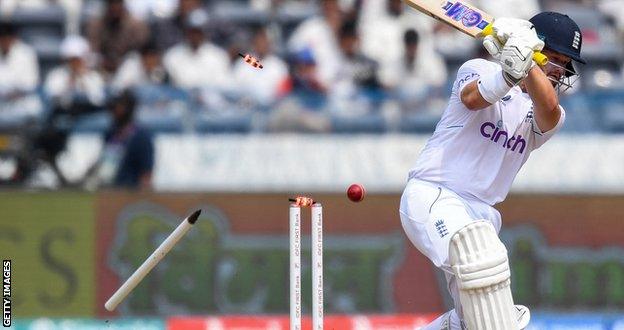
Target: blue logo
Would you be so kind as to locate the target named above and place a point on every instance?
(441, 228)
(460, 12)
(529, 117)
(469, 76)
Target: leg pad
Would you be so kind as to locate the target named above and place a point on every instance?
(479, 260)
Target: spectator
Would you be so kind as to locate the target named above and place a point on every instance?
(148, 9)
(197, 63)
(611, 8)
(262, 86)
(303, 107)
(170, 31)
(353, 9)
(159, 104)
(74, 90)
(141, 68)
(73, 87)
(320, 35)
(239, 40)
(9, 6)
(115, 34)
(382, 26)
(127, 158)
(421, 78)
(357, 84)
(357, 68)
(72, 9)
(19, 77)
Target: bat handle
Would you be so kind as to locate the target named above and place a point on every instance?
(538, 57)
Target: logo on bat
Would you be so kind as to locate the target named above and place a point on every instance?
(461, 12)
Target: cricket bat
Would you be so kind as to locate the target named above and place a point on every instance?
(463, 17)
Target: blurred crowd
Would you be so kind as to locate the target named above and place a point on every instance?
(340, 58)
(322, 59)
(343, 66)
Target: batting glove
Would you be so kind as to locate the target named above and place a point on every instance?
(503, 28)
(516, 57)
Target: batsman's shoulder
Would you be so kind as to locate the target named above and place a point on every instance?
(472, 70)
(478, 65)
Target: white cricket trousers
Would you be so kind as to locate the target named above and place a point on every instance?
(431, 214)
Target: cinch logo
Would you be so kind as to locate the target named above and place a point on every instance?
(463, 80)
(490, 131)
(469, 17)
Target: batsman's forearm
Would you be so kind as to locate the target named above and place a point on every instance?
(541, 91)
(472, 98)
(545, 99)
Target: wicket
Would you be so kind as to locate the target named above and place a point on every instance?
(151, 261)
(295, 264)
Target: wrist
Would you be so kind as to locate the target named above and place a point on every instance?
(511, 80)
(494, 86)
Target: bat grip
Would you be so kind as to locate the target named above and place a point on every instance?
(538, 57)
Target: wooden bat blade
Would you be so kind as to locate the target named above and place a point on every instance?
(458, 14)
(463, 17)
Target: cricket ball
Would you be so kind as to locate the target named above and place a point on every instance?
(356, 192)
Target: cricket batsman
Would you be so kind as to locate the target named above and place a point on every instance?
(498, 113)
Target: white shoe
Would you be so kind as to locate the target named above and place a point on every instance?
(523, 313)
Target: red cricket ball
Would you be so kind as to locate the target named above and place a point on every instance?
(356, 192)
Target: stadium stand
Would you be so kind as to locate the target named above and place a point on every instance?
(594, 107)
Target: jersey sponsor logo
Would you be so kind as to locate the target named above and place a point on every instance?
(495, 134)
(462, 13)
(467, 77)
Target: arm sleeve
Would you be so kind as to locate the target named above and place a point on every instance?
(471, 71)
(542, 137)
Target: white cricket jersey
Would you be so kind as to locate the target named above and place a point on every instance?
(477, 154)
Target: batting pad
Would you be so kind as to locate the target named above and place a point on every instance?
(479, 260)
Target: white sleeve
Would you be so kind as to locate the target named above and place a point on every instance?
(471, 71)
(542, 137)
